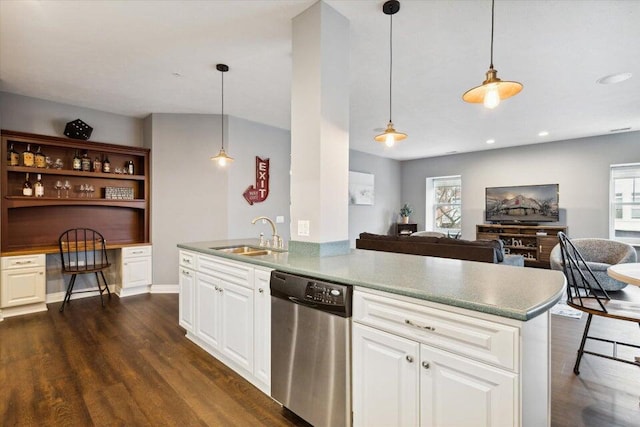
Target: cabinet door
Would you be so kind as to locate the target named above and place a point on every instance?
(208, 298)
(459, 392)
(187, 282)
(237, 324)
(385, 379)
(545, 245)
(262, 330)
(22, 286)
(136, 272)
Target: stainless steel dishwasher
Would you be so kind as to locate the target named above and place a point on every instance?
(311, 348)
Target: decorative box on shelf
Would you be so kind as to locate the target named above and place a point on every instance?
(120, 193)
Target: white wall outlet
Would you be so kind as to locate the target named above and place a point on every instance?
(280, 219)
(303, 228)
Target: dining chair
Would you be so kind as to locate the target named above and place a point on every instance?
(585, 293)
(83, 251)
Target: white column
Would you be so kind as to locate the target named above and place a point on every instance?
(320, 132)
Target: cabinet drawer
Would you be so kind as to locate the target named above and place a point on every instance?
(228, 271)
(187, 259)
(134, 251)
(22, 261)
(478, 339)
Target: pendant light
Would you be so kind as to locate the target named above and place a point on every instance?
(492, 90)
(390, 136)
(222, 158)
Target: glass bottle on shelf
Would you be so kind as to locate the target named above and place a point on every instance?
(27, 188)
(40, 158)
(38, 187)
(86, 162)
(106, 165)
(77, 161)
(129, 167)
(27, 157)
(97, 165)
(13, 158)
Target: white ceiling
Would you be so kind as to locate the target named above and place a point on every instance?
(121, 56)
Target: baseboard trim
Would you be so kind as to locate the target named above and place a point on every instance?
(22, 309)
(59, 296)
(165, 289)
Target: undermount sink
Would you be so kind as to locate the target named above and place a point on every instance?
(245, 250)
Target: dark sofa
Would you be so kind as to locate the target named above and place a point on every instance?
(443, 247)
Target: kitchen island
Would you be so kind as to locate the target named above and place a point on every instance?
(430, 335)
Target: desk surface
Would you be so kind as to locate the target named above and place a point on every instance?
(628, 273)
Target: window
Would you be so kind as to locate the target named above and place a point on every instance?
(624, 217)
(444, 204)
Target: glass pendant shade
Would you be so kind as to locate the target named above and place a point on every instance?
(222, 158)
(390, 136)
(492, 90)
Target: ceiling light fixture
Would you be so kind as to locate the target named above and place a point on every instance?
(222, 158)
(491, 141)
(543, 133)
(492, 90)
(390, 136)
(614, 78)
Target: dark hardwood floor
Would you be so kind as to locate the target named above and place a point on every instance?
(130, 364)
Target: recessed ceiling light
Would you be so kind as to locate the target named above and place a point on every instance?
(543, 133)
(614, 78)
(176, 74)
(491, 141)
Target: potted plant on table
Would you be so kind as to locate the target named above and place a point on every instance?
(405, 212)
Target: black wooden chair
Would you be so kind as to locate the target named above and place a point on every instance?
(585, 293)
(83, 251)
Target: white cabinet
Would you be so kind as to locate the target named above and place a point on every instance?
(262, 330)
(419, 363)
(187, 285)
(385, 378)
(136, 271)
(23, 285)
(226, 309)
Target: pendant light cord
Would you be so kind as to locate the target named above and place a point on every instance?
(390, 62)
(222, 113)
(493, 4)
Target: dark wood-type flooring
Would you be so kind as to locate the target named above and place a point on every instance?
(130, 364)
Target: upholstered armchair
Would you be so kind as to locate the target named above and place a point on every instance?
(599, 255)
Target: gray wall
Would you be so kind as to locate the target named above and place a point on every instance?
(580, 166)
(248, 140)
(381, 217)
(22, 113)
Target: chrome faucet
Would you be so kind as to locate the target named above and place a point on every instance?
(275, 238)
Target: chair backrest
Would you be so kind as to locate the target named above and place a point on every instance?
(580, 291)
(83, 250)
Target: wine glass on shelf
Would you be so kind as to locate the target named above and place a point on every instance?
(67, 187)
(90, 189)
(58, 186)
(83, 190)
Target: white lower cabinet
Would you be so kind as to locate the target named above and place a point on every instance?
(415, 364)
(136, 270)
(226, 309)
(22, 285)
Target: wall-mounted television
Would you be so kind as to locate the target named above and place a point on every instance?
(522, 204)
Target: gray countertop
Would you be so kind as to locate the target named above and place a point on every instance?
(514, 292)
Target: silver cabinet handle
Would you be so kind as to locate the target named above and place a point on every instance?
(22, 262)
(186, 273)
(425, 365)
(217, 288)
(260, 290)
(186, 260)
(409, 359)
(41, 273)
(428, 328)
(136, 252)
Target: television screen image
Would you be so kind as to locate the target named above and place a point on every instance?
(522, 204)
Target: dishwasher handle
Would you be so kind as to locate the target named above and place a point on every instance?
(304, 303)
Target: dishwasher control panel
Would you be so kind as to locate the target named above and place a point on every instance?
(325, 293)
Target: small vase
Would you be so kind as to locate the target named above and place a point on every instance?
(405, 220)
